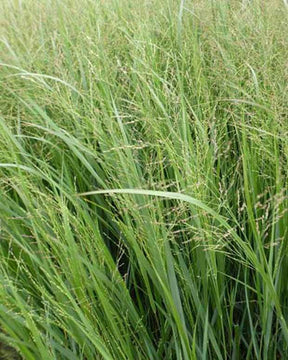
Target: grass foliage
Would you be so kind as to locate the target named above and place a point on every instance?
(144, 179)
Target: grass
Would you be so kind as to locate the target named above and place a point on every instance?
(143, 180)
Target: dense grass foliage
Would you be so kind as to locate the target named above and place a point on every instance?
(144, 179)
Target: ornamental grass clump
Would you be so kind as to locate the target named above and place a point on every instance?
(143, 180)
